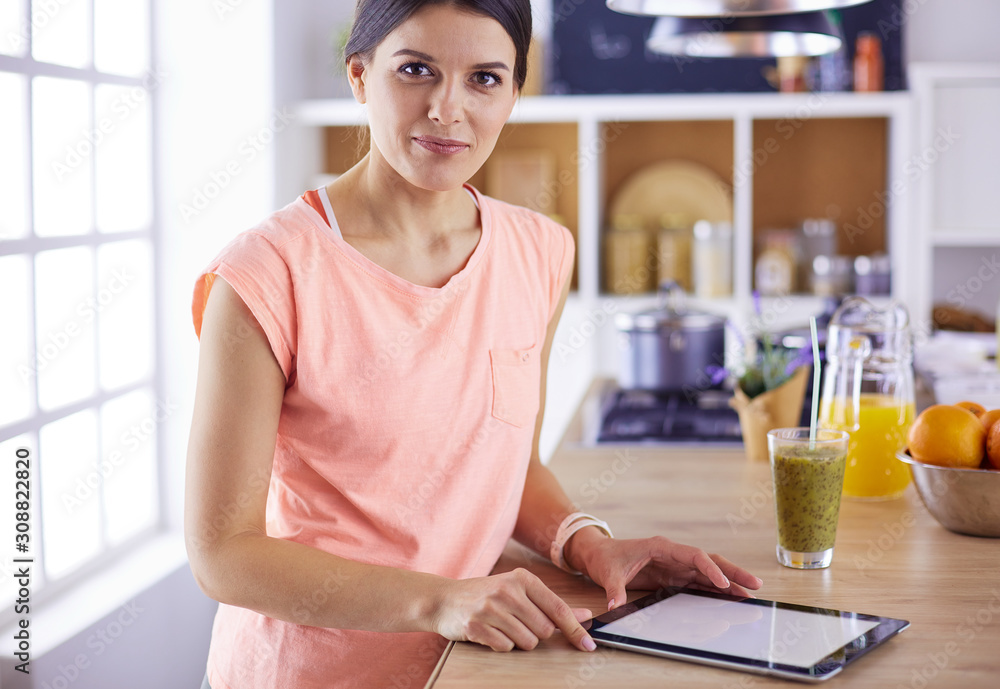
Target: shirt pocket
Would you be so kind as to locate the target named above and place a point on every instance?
(516, 385)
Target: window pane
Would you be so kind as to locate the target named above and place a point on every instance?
(71, 492)
(9, 507)
(61, 32)
(125, 312)
(63, 145)
(17, 365)
(124, 181)
(13, 156)
(121, 36)
(129, 425)
(14, 28)
(65, 315)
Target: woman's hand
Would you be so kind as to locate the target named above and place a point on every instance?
(507, 610)
(650, 563)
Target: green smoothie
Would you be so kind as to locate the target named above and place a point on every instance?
(807, 488)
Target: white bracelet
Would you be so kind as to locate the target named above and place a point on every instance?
(569, 526)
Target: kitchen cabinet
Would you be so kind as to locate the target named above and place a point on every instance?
(955, 167)
(785, 157)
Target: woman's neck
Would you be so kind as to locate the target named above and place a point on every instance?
(385, 205)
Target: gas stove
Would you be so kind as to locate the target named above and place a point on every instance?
(645, 416)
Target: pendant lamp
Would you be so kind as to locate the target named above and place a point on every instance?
(724, 8)
(803, 34)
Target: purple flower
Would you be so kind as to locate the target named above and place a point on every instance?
(716, 373)
(756, 302)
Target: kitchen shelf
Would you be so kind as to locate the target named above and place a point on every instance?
(971, 238)
(628, 107)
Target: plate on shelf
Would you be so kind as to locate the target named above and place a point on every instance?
(674, 186)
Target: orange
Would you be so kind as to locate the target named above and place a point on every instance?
(993, 446)
(948, 435)
(989, 418)
(974, 407)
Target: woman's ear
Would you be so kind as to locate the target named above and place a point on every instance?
(356, 77)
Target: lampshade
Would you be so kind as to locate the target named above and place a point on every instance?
(724, 8)
(785, 35)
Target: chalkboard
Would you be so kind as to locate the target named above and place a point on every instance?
(596, 50)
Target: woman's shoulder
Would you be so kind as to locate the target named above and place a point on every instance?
(287, 225)
(279, 233)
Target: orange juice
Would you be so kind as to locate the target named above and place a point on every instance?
(873, 471)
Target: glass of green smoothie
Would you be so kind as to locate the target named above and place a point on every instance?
(808, 480)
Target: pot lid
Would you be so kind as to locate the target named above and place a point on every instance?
(671, 315)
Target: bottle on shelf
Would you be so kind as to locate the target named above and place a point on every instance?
(833, 72)
(869, 67)
(776, 265)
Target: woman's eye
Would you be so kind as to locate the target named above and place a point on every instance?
(416, 69)
(487, 79)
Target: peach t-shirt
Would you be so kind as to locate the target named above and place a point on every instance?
(406, 426)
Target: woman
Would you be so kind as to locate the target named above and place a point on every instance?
(365, 437)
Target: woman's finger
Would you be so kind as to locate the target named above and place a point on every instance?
(514, 629)
(488, 635)
(737, 574)
(669, 554)
(561, 615)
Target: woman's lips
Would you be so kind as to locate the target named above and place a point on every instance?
(444, 146)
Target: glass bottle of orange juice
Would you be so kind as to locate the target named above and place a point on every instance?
(868, 391)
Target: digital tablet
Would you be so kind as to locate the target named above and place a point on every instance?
(796, 642)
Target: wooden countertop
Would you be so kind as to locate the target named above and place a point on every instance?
(892, 558)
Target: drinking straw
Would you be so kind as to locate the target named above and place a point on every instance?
(815, 400)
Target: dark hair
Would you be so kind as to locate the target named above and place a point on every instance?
(376, 19)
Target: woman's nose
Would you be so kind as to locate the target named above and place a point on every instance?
(447, 102)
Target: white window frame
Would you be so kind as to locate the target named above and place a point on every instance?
(44, 588)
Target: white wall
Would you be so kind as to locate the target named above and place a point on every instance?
(952, 31)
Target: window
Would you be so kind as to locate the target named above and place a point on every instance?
(78, 383)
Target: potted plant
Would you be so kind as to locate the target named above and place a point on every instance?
(769, 386)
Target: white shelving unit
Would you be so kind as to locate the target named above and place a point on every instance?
(955, 159)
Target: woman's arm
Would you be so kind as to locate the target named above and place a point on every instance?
(646, 563)
(237, 406)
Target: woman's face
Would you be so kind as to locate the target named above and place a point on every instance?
(439, 89)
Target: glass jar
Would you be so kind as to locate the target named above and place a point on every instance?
(868, 392)
(872, 275)
(819, 238)
(629, 267)
(712, 259)
(832, 275)
(673, 250)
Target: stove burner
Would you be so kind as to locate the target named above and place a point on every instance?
(651, 416)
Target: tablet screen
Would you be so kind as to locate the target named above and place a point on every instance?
(748, 629)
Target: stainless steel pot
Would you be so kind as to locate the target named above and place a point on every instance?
(669, 348)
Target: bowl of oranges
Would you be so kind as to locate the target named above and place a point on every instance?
(954, 455)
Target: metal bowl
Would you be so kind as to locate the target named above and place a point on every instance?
(965, 501)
